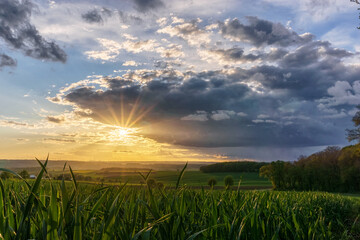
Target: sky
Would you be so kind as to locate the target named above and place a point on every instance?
(156, 80)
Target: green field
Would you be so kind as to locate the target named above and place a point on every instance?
(169, 178)
(52, 209)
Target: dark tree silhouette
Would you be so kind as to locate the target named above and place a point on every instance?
(24, 174)
(229, 181)
(212, 182)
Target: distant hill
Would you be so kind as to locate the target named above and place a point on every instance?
(96, 165)
(239, 166)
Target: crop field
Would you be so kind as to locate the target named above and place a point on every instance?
(48, 209)
(169, 178)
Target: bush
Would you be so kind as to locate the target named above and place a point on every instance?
(212, 182)
(24, 174)
(229, 181)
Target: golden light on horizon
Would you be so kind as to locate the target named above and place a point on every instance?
(123, 134)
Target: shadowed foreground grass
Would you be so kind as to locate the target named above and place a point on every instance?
(46, 209)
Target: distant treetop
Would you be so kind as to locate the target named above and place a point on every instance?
(238, 166)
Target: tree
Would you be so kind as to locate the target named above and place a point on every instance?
(212, 182)
(24, 174)
(229, 181)
(275, 172)
(349, 163)
(354, 134)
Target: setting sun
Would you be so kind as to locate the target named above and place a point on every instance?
(122, 134)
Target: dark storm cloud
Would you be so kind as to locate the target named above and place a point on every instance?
(276, 54)
(146, 5)
(311, 53)
(210, 92)
(267, 105)
(5, 60)
(96, 15)
(176, 98)
(261, 32)
(235, 133)
(17, 31)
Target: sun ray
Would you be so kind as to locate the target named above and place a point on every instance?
(122, 109)
(141, 116)
(113, 114)
(132, 112)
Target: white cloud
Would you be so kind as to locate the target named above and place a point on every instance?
(222, 115)
(241, 114)
(111, 50)
(162, 21)
(344, 93)
(262, 116)
(263, 121)
(129, 36)
(130, 63)
(198, 116)
(177, 20)
(188, 31)
(172, 51)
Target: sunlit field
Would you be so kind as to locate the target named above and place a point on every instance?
(49, 209)
(169, 178)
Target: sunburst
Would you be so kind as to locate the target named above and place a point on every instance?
(124, 119)
(122, 134)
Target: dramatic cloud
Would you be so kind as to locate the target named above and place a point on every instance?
(179, 104)
(262, 105)
(146, 5)
(18, 33)
(261, 32)
(199, 74)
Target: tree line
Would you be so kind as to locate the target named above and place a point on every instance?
(245, 166)
(333, 169)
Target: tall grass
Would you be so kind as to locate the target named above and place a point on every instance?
(47, 209)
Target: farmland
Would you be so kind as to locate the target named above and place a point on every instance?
(52, 209)
(169, 178)
(129, 172)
